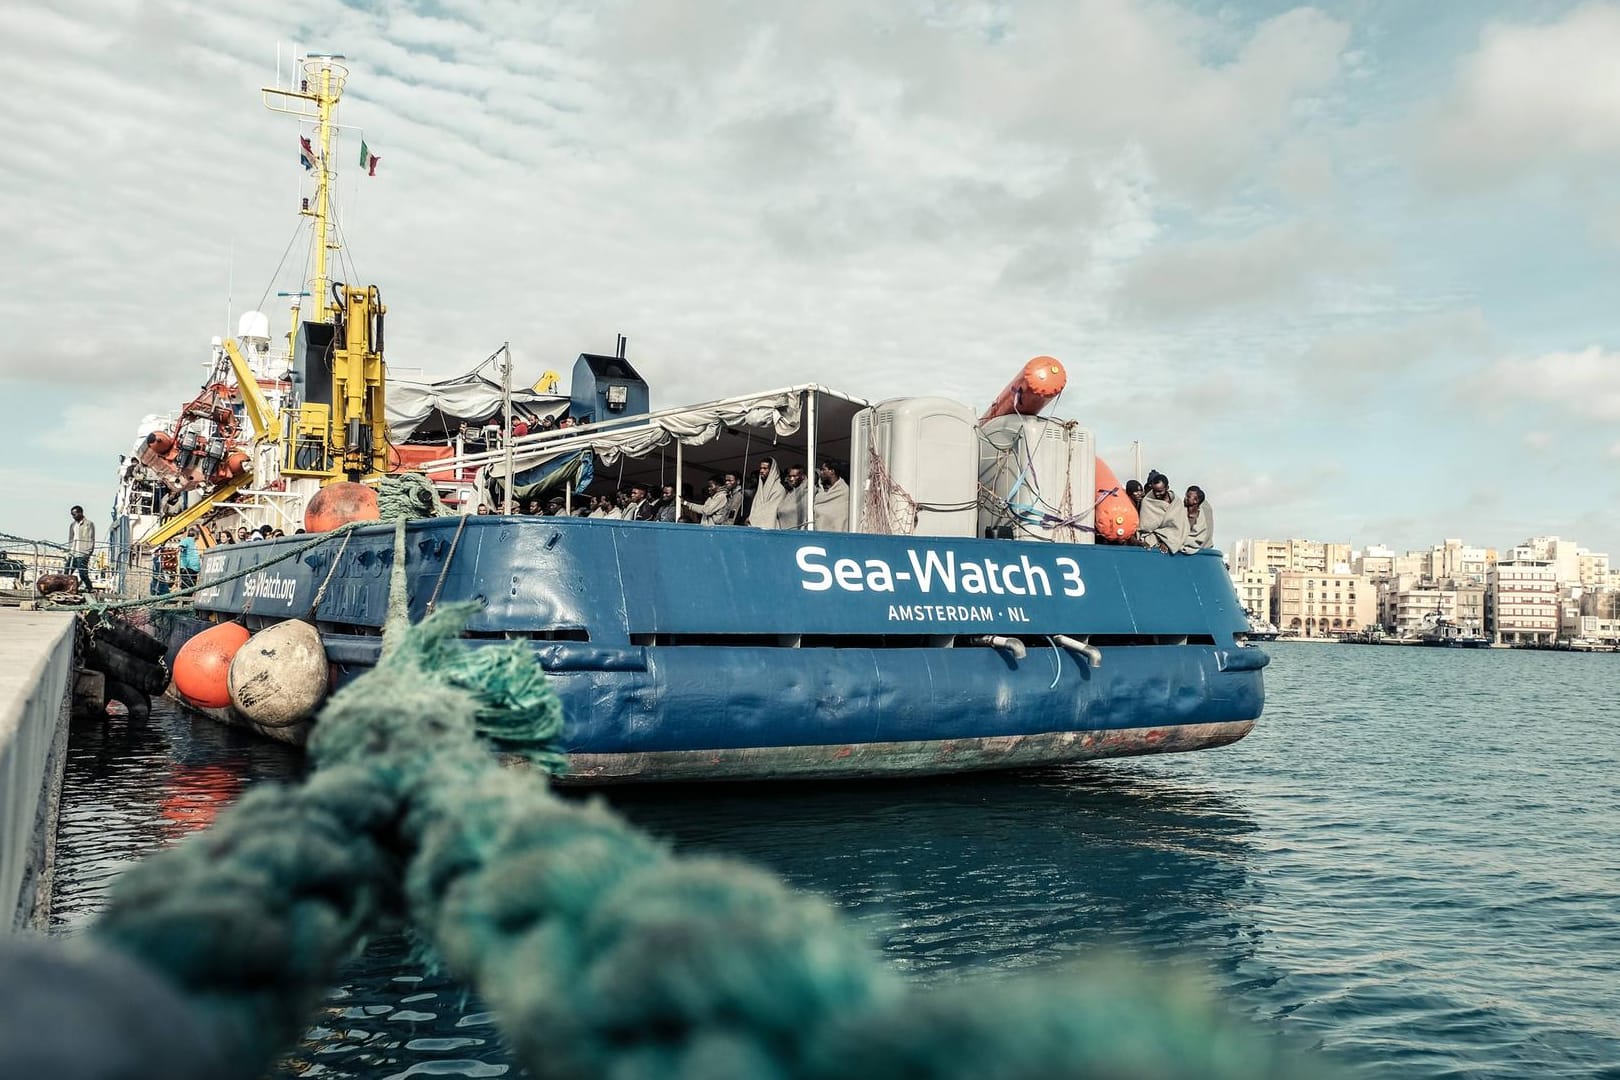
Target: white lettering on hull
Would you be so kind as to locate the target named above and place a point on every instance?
(942, 572)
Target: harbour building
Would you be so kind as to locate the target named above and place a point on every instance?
(1253, 585)
(1522, 602)
(1324, 605)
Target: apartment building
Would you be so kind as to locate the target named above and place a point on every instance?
(1253, 586)
(1276, 556)
(1522, 604)
(1323, 605)
(1592, 568)
(1376, 561)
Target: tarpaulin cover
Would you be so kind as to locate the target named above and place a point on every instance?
(435, 408)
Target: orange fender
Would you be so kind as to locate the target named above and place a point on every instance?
(202, 667)
(1116, 516)
(1031, 390)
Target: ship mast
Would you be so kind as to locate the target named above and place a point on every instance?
(316, 97)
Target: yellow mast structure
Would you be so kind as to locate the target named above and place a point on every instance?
(340, 429)
(315, 98)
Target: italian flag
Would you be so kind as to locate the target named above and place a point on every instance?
(368, 160)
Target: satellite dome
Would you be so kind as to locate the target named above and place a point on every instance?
(254, 326)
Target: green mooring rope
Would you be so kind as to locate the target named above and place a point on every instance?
(603, 954)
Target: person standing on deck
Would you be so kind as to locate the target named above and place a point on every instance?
(794, 510)
(768, 497)
(1200, 521)
(712, 510)
(190, 562)
(832, 498)
(1163, 524)
(81, 543)
(667, 505)
(637, 509)
(731, 483)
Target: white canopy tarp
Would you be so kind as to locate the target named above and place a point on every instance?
(779, 412)
(470, 399)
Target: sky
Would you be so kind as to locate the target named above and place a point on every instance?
(1351, 267)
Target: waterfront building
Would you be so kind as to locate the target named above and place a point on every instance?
(1452, 560)
(1253, 585)
(1592, 568)
(1522, 604)
(1412, 564)
(1471, 606)
(1316, 604)
(1564, 555)
(1376, 561)
(1598, 630)
(1406, 606)
(1275, 556)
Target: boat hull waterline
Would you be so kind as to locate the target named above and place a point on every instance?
(682, 652)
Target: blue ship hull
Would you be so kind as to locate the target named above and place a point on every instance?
(689, 653)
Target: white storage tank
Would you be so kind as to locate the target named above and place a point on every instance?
(914, 468)
(1043, 476)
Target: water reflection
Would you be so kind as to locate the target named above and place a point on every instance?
(952, 877)
(996, 872)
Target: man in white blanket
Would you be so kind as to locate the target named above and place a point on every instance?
(1163, 525)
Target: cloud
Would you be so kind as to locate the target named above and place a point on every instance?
(1264, 266)
(1366, 355)
(1582, 385)
(1534, 98)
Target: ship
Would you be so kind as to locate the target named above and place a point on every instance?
(1442, 633)
(949, 590)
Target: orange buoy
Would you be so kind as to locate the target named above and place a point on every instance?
(202, 667)
(1115, 514)
(338, 504)
(1031, 390)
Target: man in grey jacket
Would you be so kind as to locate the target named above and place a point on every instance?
(712, 510)
(81, 543)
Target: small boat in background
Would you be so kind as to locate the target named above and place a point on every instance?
(1441, 633)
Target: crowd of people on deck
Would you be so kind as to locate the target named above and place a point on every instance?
(1168, 524)
(776, 497)
(175, 565)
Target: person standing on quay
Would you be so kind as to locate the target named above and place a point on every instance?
(81, 543)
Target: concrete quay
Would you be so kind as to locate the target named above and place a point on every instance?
(36, 678)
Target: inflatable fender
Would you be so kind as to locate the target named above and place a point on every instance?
(280, 677)
(1116, 515)
(202, 666)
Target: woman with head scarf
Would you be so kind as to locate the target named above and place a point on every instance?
(1200, 521)
(768, 496)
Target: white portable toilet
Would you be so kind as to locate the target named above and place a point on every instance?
(1042, 474)
(914, 468)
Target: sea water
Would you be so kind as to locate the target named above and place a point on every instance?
(1412, 865)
